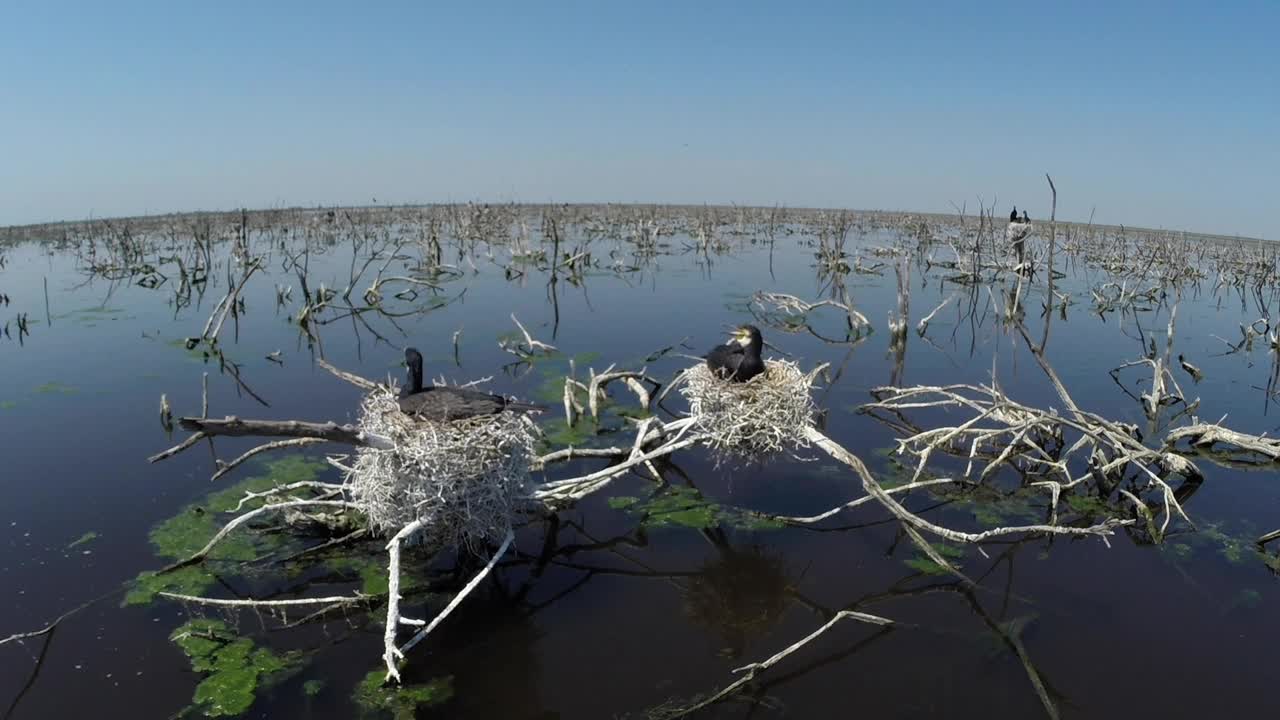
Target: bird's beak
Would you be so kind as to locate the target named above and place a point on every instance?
(740, 336)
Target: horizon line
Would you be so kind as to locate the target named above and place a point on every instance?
(390, 206)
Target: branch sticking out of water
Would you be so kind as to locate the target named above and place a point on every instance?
(529, 348)
(238, 427)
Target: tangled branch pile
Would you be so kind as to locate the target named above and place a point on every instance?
(464, 480)
(1039, 444)
(765, 415)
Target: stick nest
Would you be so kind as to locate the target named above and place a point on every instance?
(754, 419)
(466, 480)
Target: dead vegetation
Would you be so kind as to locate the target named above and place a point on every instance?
(470, 486)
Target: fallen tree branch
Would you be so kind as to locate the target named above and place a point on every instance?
(750, 671)
(202, 553)
(873, 488)
(184, 445)
(237, 427)
(224, 468)
(1205, 435)
(362, 383)
(337, 600)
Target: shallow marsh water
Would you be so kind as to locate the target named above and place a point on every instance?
(649, 602)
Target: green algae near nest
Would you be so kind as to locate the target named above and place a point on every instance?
(686, 507)
(923, 564)
(193, 526)
(232, 666)
(312, 687)
(401, 702)
(371, 571)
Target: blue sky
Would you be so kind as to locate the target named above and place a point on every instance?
(1159, 114)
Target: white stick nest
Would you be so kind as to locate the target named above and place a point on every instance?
(465, 480)
(752, 420)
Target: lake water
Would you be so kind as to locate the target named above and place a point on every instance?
(619, 613)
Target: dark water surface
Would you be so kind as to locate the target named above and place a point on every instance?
(631, 616)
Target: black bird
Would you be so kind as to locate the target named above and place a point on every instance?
(444, 404)
(739, 360)
(1013, 216)
(1025, 218)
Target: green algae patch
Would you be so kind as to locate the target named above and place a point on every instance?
(1088, 505)
(921, 563)
(924, 565)
(635, 412)
(371, 571)
(551, 390)
(55, 388)
(401, 702)
(312, 687)
(188, 531)
(557, 433)
(233, 667)
(686, 507)
(374, 580)
(190, 580)
(1236, 547)
(622, 503)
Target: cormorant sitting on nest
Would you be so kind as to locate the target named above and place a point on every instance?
(1025, 217)
(443, 404)
(1013, 215)
(739, 360)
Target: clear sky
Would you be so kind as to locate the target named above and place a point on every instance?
(1161, 114)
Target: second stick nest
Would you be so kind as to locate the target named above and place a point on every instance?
(466, 480)
(755, 419)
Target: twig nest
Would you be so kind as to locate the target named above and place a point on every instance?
(1017, 231)
(765, 415)
(466, 480)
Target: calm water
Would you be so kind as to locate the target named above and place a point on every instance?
(626, 616)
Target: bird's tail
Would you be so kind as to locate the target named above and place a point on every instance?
(525, 407)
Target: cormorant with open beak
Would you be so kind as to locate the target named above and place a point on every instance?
(739, 360)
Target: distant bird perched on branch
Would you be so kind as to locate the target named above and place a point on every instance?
(444, 404)
(739, 360)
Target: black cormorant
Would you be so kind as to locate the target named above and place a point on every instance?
(1013, 215)
(740, 359)
(1025, 218)
(443, 404)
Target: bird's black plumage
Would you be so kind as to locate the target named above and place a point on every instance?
(1013, 215)
(444, 404)
(1025, 217)
(738, 360)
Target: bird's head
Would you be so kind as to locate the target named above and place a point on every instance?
(746, 335)
(412, 358)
